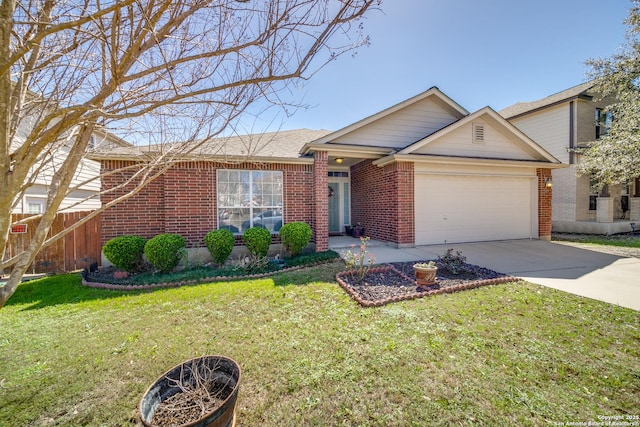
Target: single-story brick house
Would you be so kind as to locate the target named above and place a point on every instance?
(424, 171)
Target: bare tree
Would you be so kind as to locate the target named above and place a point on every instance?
(154, 71)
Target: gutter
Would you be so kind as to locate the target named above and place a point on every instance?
(467, 161)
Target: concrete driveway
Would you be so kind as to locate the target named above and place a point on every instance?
(610, 278)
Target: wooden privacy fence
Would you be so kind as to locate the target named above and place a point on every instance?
(78, 249)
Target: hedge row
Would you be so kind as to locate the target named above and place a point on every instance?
(165, 251)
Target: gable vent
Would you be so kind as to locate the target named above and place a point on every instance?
(478, 133)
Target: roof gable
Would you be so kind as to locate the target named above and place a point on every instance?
(521, 108)
(401, 124)
(501, 140)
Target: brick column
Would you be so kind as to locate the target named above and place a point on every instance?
(544, 204)
(321, 201)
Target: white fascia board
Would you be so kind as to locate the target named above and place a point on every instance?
(470, 161)
(347, 150)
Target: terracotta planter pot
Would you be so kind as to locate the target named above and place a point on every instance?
(221, 372)
(425, 276)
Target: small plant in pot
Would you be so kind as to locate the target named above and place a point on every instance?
(425, 273)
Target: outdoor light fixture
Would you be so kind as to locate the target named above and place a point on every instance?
(548, 182)
(339, 160)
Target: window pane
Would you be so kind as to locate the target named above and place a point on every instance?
(271, 219)
(233, 219)
(249, 198)
(35, 208)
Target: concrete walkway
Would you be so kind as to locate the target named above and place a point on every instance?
(610, 278)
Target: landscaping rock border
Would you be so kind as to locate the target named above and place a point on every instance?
(345, 280)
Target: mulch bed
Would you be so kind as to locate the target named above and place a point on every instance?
(394, 282)
(104, 278)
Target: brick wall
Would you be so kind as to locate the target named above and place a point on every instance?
(321, 201)
(142, 214)
(544, 204)
(382, 200)
(183, 201)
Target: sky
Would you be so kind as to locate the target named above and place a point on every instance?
(480, 53)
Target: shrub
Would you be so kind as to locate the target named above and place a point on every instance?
(455, 264)
(125, 252)
(165, 251)
(295, 236)
(359, 263)
(220, 244)
(257, 240)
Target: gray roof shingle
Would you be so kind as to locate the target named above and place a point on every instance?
(520, 108)
(271, 145)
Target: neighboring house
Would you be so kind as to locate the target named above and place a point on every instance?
(424, 171)
(560, 123)
(85, 197)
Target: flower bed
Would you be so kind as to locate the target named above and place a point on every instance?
(393, 283)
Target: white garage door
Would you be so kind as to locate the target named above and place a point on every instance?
(457, 208)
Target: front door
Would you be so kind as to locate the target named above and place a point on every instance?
(334, 207)
(339, 205)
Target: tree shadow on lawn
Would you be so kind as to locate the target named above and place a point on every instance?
(60, 289)
(304, 276)
(68, 288)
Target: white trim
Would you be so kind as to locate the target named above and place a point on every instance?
(42, 201)
(425, 158)
(492, 175)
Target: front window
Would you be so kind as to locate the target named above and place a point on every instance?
(35, 206)
(593, 195)
(249, 199)
(603, 122)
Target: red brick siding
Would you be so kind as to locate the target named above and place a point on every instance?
(183, 201)
(321, 201)
(382, 201)
(142, 214)
(544, 204)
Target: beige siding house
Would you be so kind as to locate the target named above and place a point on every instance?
(84, 194)
(560, 123)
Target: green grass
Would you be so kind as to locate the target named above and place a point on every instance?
(203, 273)
(624, 240)
(513, 354)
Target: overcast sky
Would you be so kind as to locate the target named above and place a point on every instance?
(489, 52)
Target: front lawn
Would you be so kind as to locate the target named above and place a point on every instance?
(511, 354)
(623, 240)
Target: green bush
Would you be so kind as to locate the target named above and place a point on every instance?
(295, 236)
(220, 244)
(125, 252)
(257, 240)
(454, 263)
(165, 251)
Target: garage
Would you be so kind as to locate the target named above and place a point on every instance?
(458, 207)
